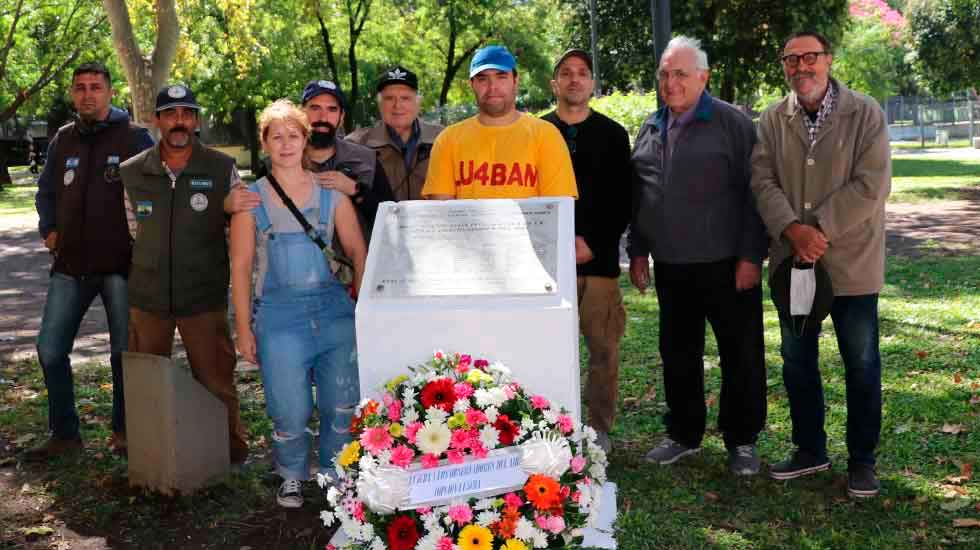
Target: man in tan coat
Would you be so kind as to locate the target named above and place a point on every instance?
(403, 142)
(821, 173)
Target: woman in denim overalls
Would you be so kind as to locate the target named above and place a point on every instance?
(303, 317)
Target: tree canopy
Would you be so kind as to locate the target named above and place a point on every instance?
(946, 43)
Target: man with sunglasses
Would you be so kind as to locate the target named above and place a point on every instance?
(821, 174)
(600, 150)
(694, 212)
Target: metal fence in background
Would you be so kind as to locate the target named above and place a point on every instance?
(935, 120)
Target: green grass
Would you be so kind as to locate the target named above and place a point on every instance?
(17, 200)
(953, 144)
(917, 179)
(930, 344)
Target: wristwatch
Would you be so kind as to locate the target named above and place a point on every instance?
(358, 190)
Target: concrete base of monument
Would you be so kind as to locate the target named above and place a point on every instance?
(598, 537)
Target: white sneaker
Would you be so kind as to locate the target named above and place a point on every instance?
(290, 494)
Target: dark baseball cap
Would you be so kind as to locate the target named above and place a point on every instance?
(823, 299)
(320, 87)
(176, 95)
(398, 75)
(492, 57)
(574, 52)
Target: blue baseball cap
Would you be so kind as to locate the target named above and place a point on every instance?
(492, 57)
(320, 87)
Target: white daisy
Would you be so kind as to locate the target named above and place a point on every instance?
(489, 436)
(461, 405)
(484, 519)
(327, 518)
(435, 414)
(433, 438)
(524, 530)
(492, 413)
(410, 416)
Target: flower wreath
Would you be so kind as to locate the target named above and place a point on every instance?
(450, 411)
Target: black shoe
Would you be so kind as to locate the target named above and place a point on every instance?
(862, 482)
(53, 448)
(800, 464)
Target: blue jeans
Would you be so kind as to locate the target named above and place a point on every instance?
(68, 300)
(856, 324)
(305, 336)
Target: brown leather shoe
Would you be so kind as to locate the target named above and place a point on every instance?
(117, 444)
(52, 448)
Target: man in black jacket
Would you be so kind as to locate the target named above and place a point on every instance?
(82, 221)
(600, 150)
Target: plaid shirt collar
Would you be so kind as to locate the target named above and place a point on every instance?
(826, 108)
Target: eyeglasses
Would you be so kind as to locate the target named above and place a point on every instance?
(793, 60)
(570, 132)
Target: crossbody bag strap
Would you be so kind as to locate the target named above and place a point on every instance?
(307, 228)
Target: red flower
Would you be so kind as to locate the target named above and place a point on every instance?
(508, 430)
(402, 533)
(357, 422)
(439, 393)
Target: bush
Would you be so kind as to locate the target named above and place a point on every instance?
(630, 110)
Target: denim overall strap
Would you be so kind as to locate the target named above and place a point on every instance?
(262, 222)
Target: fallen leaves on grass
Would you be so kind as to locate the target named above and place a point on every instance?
(955, 504)
(954, 429)
(711, 496)
(957, 378)
(24, 439)
(975, 400)
(921, 354)
(710, 401)
(966, 522)
(953, 491)
(966, 474)
(35, 532)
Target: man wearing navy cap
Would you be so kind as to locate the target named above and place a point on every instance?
(402, 140)
(350, 168)
(500, 152)
(180, 270)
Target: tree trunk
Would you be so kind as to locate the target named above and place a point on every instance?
(328, 46)
(146, 75)
(356, 17)
(453, 63)
(252, 130)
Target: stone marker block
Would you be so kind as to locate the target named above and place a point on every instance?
(176, 430)
(976, 143)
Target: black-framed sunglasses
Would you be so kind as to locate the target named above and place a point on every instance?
(793, 60)
(570, 133)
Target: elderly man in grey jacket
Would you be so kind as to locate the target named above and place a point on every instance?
(821, 173)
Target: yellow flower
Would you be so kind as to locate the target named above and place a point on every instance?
(350, 454)
(474, 537)
(395, 382)
(513, 544)
(476, 376)
(395, 429)
(458, 420)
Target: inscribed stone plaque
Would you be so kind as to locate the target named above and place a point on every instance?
(466, 248)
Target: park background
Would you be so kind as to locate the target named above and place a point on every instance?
(917, 57)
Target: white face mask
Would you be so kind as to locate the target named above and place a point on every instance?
(802, 289)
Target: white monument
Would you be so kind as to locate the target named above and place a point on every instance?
(492, 278)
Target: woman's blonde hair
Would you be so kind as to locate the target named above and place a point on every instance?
(285, 111)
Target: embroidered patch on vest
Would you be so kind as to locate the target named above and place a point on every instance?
(199, 202)
(69, 177)
(112, 169)
(71, 162)
(144, 209)
(202, 184)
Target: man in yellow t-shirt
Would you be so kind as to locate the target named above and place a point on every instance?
(499, 153)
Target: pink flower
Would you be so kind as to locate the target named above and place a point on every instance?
(387, 399)
(463, 390)
(478, 450)
(455, 457)
(510, 390)
(460, 439)
(395, 410)
(445, 543)
(464, 364)
(402, 456)
(475, 417)
(358, 512)
(460, 513)
(424, 511)
(576, 496)
(481, 364)
(512, 500)
(577, 463)
(439, 354)
(412, 430)
(430, 461)
(539, 402)
(565, 423)
(376, 439)
(556, 524)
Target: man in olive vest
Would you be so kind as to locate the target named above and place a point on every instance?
(179, 275)
(80, 207)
